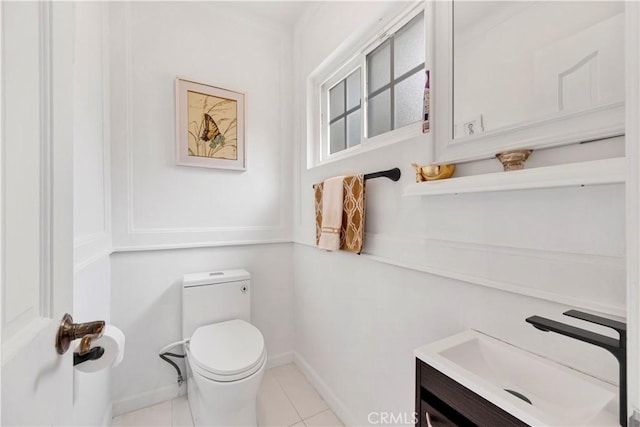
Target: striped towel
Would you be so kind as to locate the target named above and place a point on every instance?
(352, 224)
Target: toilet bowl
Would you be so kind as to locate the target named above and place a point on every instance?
(227, 361)
(225, 354)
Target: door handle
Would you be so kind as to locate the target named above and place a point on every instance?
(69, 331)
(428, 419)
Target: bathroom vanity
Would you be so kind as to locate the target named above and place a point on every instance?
(442, 402)
(472, 379)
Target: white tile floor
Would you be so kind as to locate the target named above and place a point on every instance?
(285, 398)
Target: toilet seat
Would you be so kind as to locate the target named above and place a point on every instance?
(227, 351)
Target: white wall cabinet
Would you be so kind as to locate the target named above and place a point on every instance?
(525, 75)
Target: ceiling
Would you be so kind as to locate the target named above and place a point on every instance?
(282, 12)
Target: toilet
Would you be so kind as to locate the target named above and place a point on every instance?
(225, 353)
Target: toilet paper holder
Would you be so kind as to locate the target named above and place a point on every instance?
(69, 331)
(93, 354)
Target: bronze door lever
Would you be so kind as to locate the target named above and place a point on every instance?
(69, 331)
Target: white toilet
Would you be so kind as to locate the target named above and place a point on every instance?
(226, 355)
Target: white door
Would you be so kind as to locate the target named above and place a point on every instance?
(37, 210)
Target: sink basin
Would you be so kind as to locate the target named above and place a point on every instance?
(510, 378)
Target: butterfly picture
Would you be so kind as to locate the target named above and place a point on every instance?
(210, 128)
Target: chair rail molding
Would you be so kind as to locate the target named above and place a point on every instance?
(574, 279)
(570, 278)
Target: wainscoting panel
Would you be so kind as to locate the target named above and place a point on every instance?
(158, 205)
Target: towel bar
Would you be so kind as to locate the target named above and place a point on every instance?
(392, 174)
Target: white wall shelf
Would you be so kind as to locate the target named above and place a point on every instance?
(598, 172)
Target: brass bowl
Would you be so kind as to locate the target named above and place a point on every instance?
(513, 160)
(435, 172)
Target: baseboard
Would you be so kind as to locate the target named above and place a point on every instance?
(279, 359)
(169, 392)
(148, 398)
(108, 416)
(336, 405)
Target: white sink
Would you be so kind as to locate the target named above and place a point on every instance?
(559, 396)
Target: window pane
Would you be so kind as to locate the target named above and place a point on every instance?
(379, 115)
(353, 89)
(336, 136)
(408, 48)
(336, 100)
(408, 100)
(353, 128)
(379, 66)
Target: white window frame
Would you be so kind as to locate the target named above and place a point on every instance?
(342, 74)
(336, 69)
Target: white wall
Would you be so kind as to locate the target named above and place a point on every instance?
(632, 43)
(147, 305)
(92, 301)
(238, 218)
(357, 318)
(157, 204)
(505, 256)
(91, 207)
(358, 321)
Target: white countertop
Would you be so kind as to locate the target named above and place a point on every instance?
(485, 365)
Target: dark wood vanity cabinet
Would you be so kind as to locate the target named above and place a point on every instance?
(442, 402)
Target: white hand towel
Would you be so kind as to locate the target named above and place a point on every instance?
(332, 207)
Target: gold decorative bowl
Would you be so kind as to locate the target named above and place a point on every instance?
(513, 160)
(433, 172)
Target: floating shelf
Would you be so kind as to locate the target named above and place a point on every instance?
(597, 172)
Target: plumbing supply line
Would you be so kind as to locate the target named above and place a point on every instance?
(165, 357)
(165, 354)
(173, 344)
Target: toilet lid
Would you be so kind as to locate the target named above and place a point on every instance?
(227, 348)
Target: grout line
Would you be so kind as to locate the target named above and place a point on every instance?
(327, 408)
(275, 377)
(171, 412)
(324, 410)
(188, 409)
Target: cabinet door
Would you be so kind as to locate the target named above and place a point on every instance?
(458, 401)
(431, 417)
(550, 90)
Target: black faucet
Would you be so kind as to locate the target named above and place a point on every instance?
(617, 347)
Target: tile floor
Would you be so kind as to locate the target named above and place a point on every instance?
(285, 398)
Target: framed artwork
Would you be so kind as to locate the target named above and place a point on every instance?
(210, 125)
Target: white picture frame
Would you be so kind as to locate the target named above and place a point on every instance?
(210, 126)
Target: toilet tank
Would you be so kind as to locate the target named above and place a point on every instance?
(214, 296)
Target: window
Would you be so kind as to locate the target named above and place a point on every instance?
(344, 113)
(390, 72)
(395, 83)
